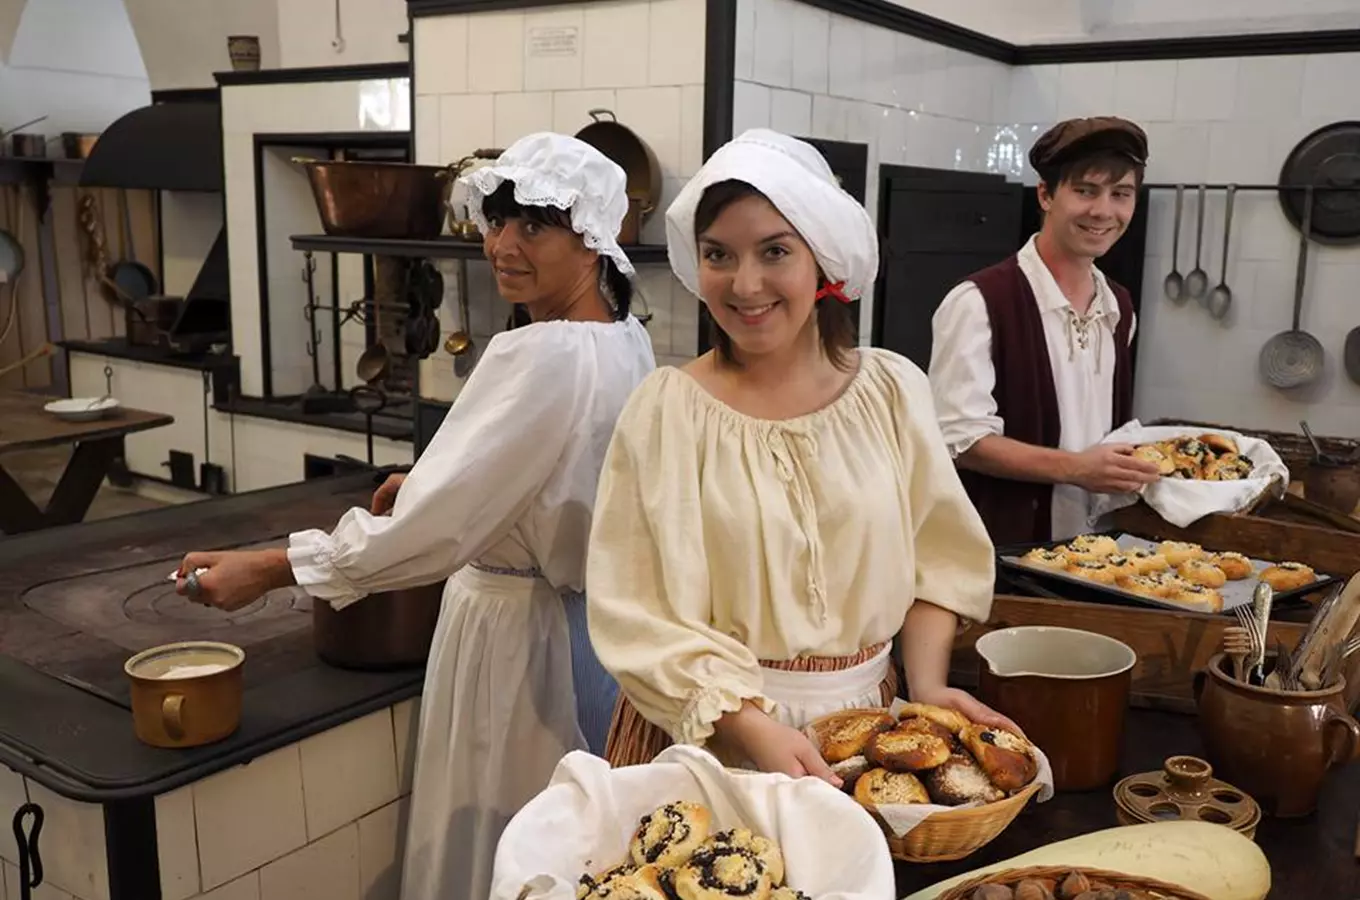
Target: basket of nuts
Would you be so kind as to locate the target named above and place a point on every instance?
(1062, 883)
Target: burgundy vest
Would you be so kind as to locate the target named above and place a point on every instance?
(1018, 512)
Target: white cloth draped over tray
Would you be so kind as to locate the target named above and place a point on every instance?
(1181, 501)
(833, 849)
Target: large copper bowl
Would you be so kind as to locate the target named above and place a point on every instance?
(379, 199)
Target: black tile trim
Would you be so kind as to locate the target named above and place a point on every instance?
(131, 851)
(1266, 44)
(187, 95)
(310, 74)
(419, 8)
(720, 71)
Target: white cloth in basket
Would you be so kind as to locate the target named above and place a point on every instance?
(1180, 501)
(833, 849)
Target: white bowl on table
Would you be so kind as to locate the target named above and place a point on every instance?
(82, 409)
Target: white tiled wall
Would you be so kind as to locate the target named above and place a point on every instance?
(247, 110)
(324, 818)
(813, 73)
(261, 453)
(642, 59)
(190, 222)
(1223, 120)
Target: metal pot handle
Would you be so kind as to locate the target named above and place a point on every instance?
(30, 861)
(304, 160)
(596, 113)
(172, 715)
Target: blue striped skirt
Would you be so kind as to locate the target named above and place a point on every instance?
(596, 689)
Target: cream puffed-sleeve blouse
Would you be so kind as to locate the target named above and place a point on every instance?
(720, 540)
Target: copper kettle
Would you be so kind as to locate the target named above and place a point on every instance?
(387, 630)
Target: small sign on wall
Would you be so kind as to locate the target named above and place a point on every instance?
(554, 41)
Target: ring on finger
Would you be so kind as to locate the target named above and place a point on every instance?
(191, 586)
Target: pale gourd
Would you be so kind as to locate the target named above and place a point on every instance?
(1212, 860)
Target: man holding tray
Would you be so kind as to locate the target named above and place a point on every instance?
(1031, 360)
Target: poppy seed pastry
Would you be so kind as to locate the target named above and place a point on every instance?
(1006, 758)
(598, 885)
(1096, 544)
(1199, 571)
(1219, 443)
(1147, 561)
(720, 872)
(907, 750)
(1153, 454)
(1288, 576)
(667, 836)
(1199, 598)
(845, 734)
(1046, 559)
(1093, 570)
(643, 883)
(1234, 566)
(879, 787)
(1177, 552)
(787, 893)
(764, 849)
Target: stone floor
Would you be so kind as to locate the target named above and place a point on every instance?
(38, 471)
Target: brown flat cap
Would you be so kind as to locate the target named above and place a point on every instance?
(1074, 137)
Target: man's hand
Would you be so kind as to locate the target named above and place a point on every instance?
(1111, 469)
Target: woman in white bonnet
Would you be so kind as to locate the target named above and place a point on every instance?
(774, 513)
(501, 501)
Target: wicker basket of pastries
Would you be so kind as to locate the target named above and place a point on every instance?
(939, 785)
(1204, 457)
(1064, 883)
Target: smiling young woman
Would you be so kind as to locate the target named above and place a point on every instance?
(773, 514)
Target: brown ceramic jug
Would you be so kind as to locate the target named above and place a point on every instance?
(1068, 689)
(1276, 745)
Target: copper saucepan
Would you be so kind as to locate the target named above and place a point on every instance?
(379, 199)
(186, 694)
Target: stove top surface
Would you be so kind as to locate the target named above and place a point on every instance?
(78, 611)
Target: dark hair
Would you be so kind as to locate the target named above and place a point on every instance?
(835, 320)
(501, 204)
(1113, 166)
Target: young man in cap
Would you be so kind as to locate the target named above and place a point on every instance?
(1031, 364)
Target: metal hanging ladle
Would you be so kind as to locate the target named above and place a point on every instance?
(1197, 282)
(1220, 298)
(1294, 358)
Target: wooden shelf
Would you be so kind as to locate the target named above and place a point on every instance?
(444, 247)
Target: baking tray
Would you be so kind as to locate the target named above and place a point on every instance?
(1234, 593)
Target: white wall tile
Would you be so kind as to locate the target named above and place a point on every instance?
(249, 815)
(1206, 89)
(830, 117)
(791, 112)
(1177, 153)
(382, 844)
(517, 115)
(441, 54)
(846, 77)
(676, 49)
(744, 69)
(684, 323)
(879, 55)
(1034, 94)
(495, 52)
(691, 128)
(750, 106)
(247, 887)
(774, 59)
(616, 44)
(76, 863)
(571, 109)
(811, 46)
(348, 771)
(1086, 89)
(405, 724)
(655, 112)
(44, 891)
(327, 869)
(467, 122)
(555, 69)
(1329, 85)
(1270, 88)
(177, 844)
(1145, 91)
(13, 794)
(1237, 154)
(428, 132)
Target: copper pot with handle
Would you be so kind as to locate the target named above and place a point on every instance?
(639, 163)
(387, 630)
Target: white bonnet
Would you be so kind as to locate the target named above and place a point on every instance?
(800, 184)
(556, 170)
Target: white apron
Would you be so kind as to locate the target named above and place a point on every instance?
(497, 715)
(801, 697)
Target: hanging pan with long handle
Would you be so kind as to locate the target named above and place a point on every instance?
(1294, 358)
(134, 277)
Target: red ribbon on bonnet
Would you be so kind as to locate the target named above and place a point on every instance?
(834, 289)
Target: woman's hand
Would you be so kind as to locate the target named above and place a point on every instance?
(233, 579)
(972, 708)
(773, 746)
(385, 497)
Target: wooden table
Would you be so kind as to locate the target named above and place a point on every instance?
(1309, 857)
(24, 425)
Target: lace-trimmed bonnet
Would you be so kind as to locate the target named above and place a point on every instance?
(555, 170)
(800, 184)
